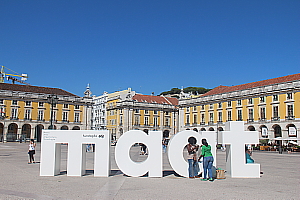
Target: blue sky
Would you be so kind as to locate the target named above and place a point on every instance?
(150, 46)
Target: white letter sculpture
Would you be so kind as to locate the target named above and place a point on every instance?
(153, 164)
(179, 141)
(77, 140)
(236, 137)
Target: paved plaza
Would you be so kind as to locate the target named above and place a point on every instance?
(19, 180)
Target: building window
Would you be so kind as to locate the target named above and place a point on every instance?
(167, 113)
(66, 105)
(290, 110)
(27, 114)
(65, 116)
(155, 121)
(240, 116)
(202, 118)
(136, 111)
(262, 113)
(188, 109)
(195, 119)
(167, 120)
(195, 108)
(1, 101)
(262, 99)
(121, 111)
(53, 115)
(76, 117)
(202, 107)
(229, 115)
(14, 102)
(40, 115)
(121, 120)
(211, 117)
(211, 106)
(289, 96)
(14, 113)
(27, 103)
(220, 117)
(136, 120)
(146, 112)
(275, 112)
(220, 105)
(76, 106)
(188, 119)
(275, 97)
(155, 112)
(250, 101)
(229, 104)
(239, 102)
(250, 115)
(146, 121)
(41, 104)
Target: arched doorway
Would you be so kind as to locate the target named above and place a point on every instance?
(220, 129)
(194, 129)
(264, 131)
(76, 128)
(251, 128)
(12, 132)
(64, 127)
(38, 132)
(202, 129)
(277, 131)
(166, 133)
(211, 129)
(1, 132)
(26, 131)
(54, 127)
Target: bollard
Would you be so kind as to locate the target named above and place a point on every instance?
(280, 149)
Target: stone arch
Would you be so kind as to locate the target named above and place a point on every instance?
(220, 129)
(264, 131)
(26, 131)
(195, 129)
(12, 132)
(202, 129)
(38, 132)
(146, 131)
(211, 129)
(251, 128)
(166, 133)
(64, 127)
(294, 134)
(1, 132)
(277, 130)
(76, 128)
(54, 127)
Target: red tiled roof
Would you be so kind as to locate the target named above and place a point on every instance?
(224, 89)
(155, 99)
(34, 89)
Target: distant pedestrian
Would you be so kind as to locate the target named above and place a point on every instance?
(31, 151)
(192, 149)
(248, 154)
(208, 160)
(164, 144)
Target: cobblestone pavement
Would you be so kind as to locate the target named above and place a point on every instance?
(19, 180)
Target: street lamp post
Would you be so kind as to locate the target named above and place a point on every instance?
(52, 100)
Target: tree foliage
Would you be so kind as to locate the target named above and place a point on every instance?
(193, 90)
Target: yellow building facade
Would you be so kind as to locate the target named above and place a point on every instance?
(26, 110)
(271, 107)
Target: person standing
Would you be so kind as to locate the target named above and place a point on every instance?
(208, 160)
(192, 148)
(31, 151)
